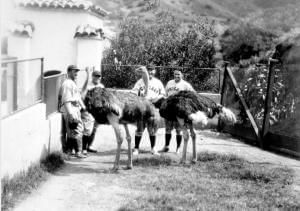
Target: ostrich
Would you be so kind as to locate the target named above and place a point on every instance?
(188, 108)
(109, 106)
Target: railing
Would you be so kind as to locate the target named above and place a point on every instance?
(21, 84)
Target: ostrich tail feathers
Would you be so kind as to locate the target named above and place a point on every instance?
(199, 118)
(227, 116)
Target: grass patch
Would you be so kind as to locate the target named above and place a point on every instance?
(16, 188)
(216, 182)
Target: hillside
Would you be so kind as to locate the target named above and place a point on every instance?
(280, 15)
(262, 12)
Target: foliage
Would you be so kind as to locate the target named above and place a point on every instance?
(243, 40)
(162, 43)
(253, 81)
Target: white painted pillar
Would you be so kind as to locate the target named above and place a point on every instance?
(19, 46)
(89, 54)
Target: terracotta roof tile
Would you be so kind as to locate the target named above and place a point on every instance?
(88, 31)
(65, 4)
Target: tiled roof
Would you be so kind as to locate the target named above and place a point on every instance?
(25, 28)
(88, 31)
(65, 4)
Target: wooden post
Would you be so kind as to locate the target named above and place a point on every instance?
(225, 75)
(268, 102)
(245, 106)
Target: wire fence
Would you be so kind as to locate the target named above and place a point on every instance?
(124, 77)
(266, 100)
(285, 102)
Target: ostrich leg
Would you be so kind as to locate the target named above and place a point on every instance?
(128, 138)
(114, 121)
(185, 138)
(193, 135)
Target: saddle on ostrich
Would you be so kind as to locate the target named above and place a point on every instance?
(109, 106)
(188, 108)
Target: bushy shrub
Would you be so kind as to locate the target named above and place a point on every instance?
(163, 43)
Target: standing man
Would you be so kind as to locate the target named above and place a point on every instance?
(155, 92)
(173, 87)
(70, 104)
(88, 139)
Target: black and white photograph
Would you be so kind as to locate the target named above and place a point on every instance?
(150, 105)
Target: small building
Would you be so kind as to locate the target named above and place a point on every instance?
(62, 32)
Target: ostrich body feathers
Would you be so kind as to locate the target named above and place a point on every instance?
(101, 101)
(185, 103)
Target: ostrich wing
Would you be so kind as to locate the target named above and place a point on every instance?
(185, 103)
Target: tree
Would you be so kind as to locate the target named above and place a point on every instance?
(164, 43)
(243, 40)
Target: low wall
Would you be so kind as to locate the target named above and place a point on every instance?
(25, 138)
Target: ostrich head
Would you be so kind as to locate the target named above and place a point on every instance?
(226, 115)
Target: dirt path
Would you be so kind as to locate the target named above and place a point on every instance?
(88, 185)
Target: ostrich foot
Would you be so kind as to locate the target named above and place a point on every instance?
(115, 169)
(128, 167)
(183, 162)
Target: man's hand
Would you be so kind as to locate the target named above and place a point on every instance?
(73, 117)
(88, 70)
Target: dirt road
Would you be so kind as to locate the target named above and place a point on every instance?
(88, 185)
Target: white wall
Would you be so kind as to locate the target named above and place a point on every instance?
(25, 138)
(89, 52)
(53, 37)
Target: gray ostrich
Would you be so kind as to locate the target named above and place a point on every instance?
(109, 106)
(190, 108)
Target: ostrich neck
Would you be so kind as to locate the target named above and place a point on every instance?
(145, 77)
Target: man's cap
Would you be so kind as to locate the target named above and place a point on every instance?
(96, 73)
(177, 70)
(151, 66)
(72, 67)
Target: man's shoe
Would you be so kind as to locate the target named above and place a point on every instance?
(92, 150)
(80, 155)
(154, 152)
(84, 152)
(165, 149)
(135, 151)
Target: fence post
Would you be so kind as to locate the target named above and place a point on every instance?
(268, 102)
(42, 80)
(225, 75)
(220, 82)
(15, 86)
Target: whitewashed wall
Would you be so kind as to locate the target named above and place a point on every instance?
(28, 135)
(53, 37)
(25, 138)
